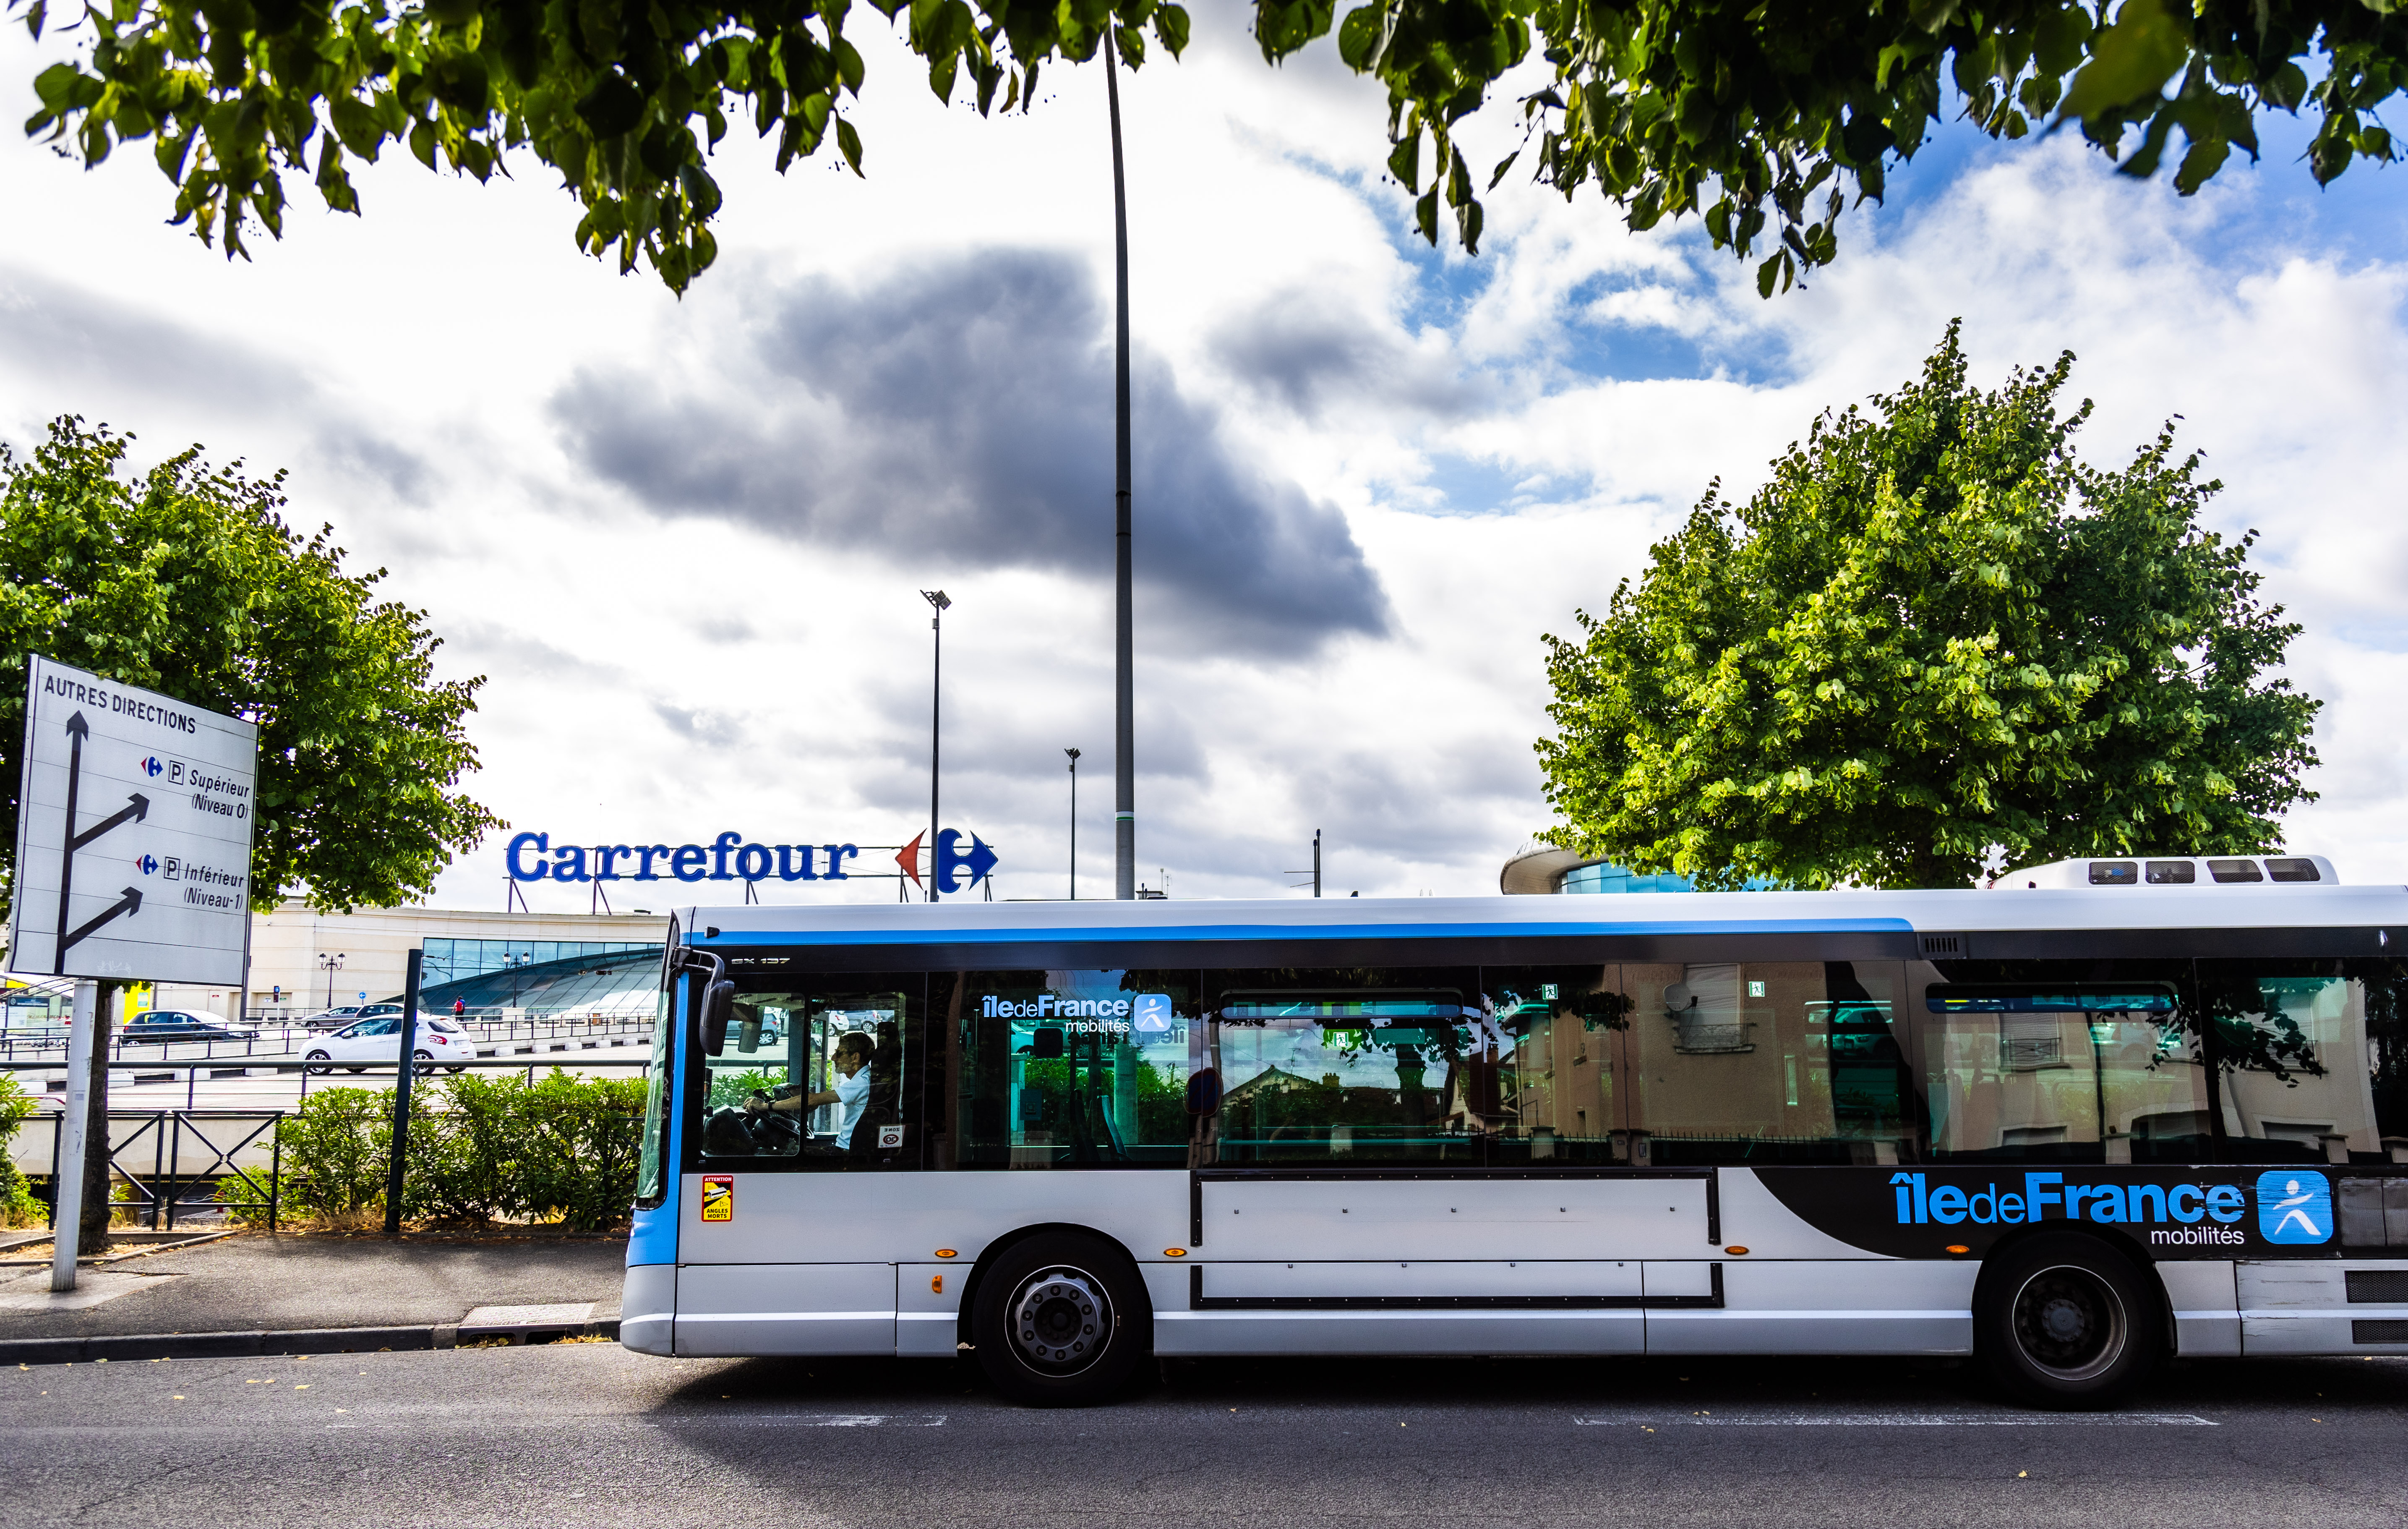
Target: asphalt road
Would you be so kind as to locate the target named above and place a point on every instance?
(589, 1433)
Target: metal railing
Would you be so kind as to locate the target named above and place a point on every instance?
(178, 1137)
(38, 1044)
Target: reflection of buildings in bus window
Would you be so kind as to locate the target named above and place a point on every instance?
(1764, 1062)
(2062, 1071)
(1559, 1029)
(2328, 1115)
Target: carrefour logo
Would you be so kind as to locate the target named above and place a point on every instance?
(2294, 1206)
(146, 863)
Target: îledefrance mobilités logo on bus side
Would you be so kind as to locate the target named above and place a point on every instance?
(2294, 1205)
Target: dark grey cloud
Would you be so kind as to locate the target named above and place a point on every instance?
(1300, 350)
(959, 414)
(79, 340)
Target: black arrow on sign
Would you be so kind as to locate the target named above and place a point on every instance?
(77, 731)
(139, 810)
(130, 904)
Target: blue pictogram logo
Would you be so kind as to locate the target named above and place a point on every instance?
(146, 863)
(2294, 1205)
(151, 766)
(1152, 1012)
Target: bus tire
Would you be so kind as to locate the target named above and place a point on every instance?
(1061, 1320)
(2066, 1322)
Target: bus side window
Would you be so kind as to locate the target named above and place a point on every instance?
(1078, 1069)
(1764, 1062)
(2061, 1062)
(1554, 1034)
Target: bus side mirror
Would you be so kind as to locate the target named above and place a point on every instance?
(1203, 1091)
(718, 1008)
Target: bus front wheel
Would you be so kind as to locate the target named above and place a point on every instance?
(1060, 1320)
(2064, 1321)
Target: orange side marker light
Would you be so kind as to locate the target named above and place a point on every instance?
(947, 1252)
(1174, 1252)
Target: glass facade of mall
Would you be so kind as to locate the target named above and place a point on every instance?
(456, 960)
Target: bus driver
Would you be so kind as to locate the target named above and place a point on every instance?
(851, 1093)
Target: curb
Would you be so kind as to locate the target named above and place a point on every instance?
(304, 1340)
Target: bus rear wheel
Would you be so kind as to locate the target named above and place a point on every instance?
(1060, 1320)
(2066, 1322)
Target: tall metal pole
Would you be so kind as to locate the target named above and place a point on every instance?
(67, 1185)
(1123, 683)
(1074, 822)
(407, 1071)
(1316, 863)
(936, 597)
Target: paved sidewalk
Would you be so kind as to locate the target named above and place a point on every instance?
(260, 1283)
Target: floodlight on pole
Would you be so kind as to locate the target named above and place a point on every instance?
(1124, 681)
(1074, 822)
(936, 597)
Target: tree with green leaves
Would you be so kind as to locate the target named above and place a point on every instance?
(186, 580)
(1934, 633)
(1756, 117)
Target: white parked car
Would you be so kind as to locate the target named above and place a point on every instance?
(362, 1045)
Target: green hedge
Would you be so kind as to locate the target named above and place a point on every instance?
(18, 1206)
(482, 1149)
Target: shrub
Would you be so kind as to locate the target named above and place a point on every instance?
(337, 1148)
(18, 1206)
(482, 1149)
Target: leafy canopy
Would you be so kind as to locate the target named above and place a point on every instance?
(1934, 631)
(186, 580)
(1755, 116)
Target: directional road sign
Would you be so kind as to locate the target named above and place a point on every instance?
(134, 826)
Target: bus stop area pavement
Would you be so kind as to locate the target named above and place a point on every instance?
(263, 1293)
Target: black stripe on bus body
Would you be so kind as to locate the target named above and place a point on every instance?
(1555, 950)
(1199, 1301)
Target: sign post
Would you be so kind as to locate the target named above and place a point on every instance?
(403, 1076)
(134, 826)
(66, 1190)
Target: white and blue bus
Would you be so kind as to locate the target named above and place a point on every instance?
(2106, 1112)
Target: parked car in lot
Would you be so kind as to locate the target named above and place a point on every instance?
(360, 1045)
(164, 1025)
(335, 1018)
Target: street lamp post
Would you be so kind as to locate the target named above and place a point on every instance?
(330, 965)
(515, 960)
(1123, 682)
(935, 703)
(1074, 822)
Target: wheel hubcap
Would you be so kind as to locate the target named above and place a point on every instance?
(2070, 1322)
(1061, 1320)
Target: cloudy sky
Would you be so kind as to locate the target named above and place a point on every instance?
(684, 539)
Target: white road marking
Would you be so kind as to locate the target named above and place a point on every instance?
(1906, 1419)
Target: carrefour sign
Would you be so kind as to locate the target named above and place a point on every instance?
(732, 857)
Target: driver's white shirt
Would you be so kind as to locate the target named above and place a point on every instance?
(851, 1093)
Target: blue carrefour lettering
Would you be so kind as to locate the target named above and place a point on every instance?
(540, 843)
(532, 856)
(2183, 1202)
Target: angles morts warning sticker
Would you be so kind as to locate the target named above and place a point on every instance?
(719, 1197)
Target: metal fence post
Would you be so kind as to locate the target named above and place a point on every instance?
(406, 1070)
